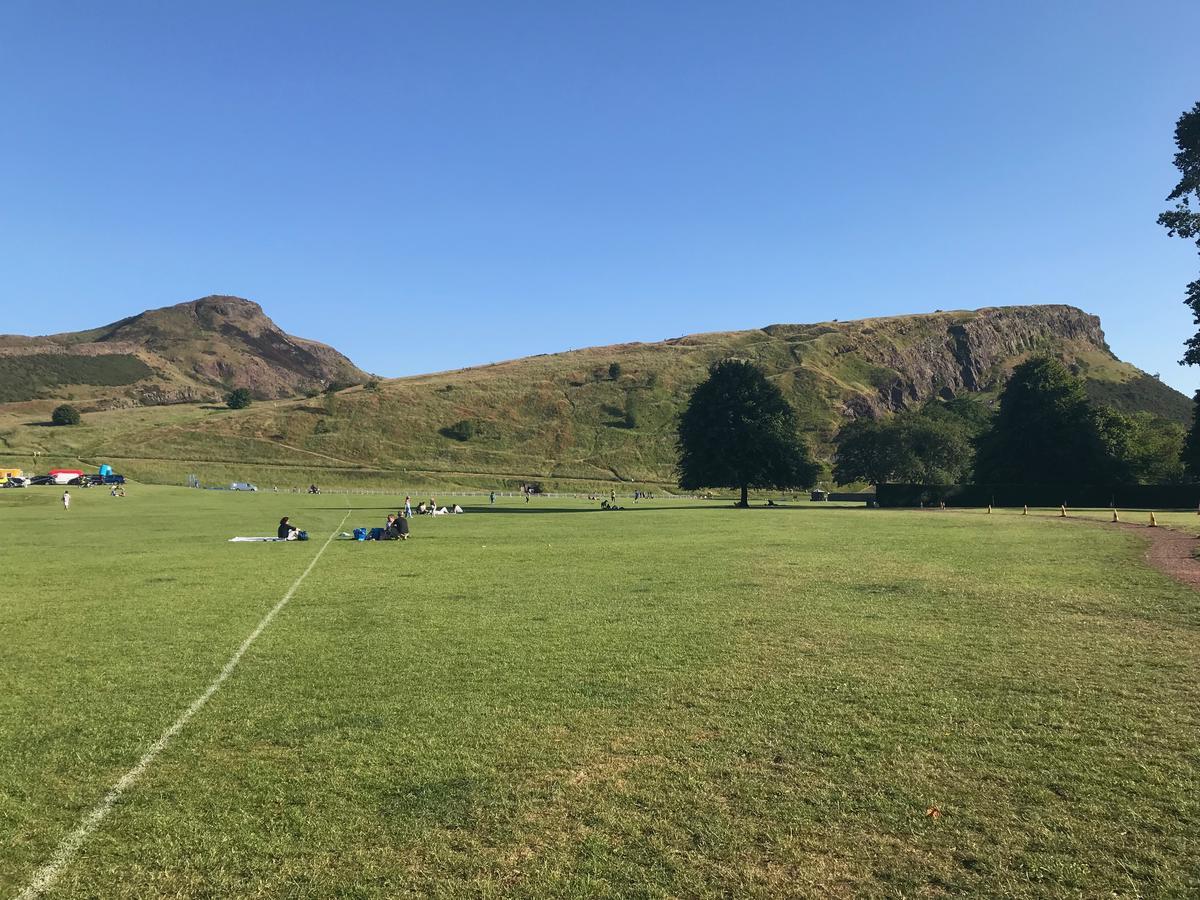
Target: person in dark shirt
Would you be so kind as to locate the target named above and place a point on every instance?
(401, 527)
(285, 530)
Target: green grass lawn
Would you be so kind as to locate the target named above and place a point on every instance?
(546, 700)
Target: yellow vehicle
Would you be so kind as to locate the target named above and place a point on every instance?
(6, 474)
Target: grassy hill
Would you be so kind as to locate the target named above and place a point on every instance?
(193, 351)
(587, 417)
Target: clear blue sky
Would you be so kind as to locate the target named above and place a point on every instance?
(432, 185)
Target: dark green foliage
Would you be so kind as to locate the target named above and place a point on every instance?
(867, 450)
(614, 371)
(738, 431)
(633, 410)
(373, 384)
(932, 446)
(1190, 455)
(1144, 393)
(324, 426)
(1184, 220)
(1046, 431)
(239, 398)
(25, 377)
(469, 429)
(1155, 449)
(459, 431)
(65, 415)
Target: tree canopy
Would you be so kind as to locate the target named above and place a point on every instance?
(1190, 455)
(239, 398)
(1047, 432)
(65, 415)
(738, 431)
(1184, 220)
(932, 445)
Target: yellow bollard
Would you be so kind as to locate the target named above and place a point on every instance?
(1063, 513)
(1025, 511)
(1115, 517)
(1153, 523)
(989, 509)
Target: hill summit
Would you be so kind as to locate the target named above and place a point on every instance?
(190, 351)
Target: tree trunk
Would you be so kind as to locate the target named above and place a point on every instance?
(744, 503)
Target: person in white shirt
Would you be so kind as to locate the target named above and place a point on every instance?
(66, 499)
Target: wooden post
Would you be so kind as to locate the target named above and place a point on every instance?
(1153, 523)
(1063, 513)
(1025, 511)
(1115, 517)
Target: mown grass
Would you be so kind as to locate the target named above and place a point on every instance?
(545, 700)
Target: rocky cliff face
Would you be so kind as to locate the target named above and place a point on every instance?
(950, 354)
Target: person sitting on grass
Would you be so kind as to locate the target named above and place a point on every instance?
(287, 531)
(396, 528)
(398, 525)
(421, 508)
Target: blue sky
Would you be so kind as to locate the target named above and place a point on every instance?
(432, 185)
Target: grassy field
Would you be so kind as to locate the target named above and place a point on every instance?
(546, 700)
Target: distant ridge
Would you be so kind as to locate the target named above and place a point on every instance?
(191, 351)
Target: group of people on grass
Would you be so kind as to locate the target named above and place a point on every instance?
(429, 509)
(394, 529)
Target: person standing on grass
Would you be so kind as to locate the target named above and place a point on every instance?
(408, 507)
(66, 499)
(492, 498)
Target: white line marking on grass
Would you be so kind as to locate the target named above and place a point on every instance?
(45, 877)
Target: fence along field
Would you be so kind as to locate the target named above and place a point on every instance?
(547, 700)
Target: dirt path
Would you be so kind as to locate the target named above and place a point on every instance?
(1171, 552)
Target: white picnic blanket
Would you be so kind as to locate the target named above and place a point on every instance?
(255, 540)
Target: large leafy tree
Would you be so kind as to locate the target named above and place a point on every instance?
(738, 431)
(1046, 431)
(932, 445)
(1191, 445)
(1184, 220)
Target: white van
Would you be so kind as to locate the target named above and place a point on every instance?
(242, 486)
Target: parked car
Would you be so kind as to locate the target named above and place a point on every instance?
(114, 479)
(93, 480)
(42, 479)
(15, 481)
(242, 486)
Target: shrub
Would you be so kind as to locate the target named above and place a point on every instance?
(614, 371)
(65, 415)
(459, 431)
(239, 398)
